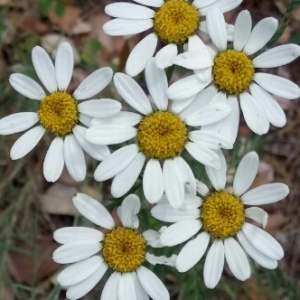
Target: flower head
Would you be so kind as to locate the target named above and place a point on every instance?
(174, 23)
(234, 75)
(223, 217)
(59, 113)
(121, 249)
(161, 134)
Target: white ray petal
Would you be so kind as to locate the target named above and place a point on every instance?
(25, 143)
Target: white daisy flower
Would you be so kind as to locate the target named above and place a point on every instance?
(174, 22)
(234, 73)
(120, 249)
(161, 136)
(223, 217)
(59, 113)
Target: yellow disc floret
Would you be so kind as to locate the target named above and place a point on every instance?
(233, 72)
(124, 249)
(176, 21)
(58, 113)
(222, 215)
(162, 135)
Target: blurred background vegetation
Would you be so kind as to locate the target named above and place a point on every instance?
(31, 209)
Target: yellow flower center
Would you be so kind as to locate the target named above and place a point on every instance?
(58, 113)
(222, 215)
(233, 72)
(176, 21)
(162, 135)
(124, 249)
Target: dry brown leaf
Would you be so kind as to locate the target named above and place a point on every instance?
(68, 20)
(31, 270)
(58, 200)
(30, 23)
(275, 223)
(6, 292)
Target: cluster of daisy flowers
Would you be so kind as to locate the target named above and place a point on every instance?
(168, 129)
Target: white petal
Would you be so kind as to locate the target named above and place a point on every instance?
(26, 86)
(160, 260)
(214, 264)
(179, 106)
(202, 4)
(277, 85)
(68, 235)
(124, 181)
(82, 288)
(93, 84)
(223, 6)
(157, 84)
(74, 158)
(200, 101)
(126, 289)
(107, 134)
(211, 139)
(152, 238)
(194, 60)
(125, 118)
(203, 74)
(191, 201)
(273, 110)
(110, 290)
(25, 143)
(260, 35)
(266, 194)
(140, 54)
(116, 162)
(202, 189)
(54, 160)
(242, 30)
(187, 175)
(17, 122)
(236, 259)
(154, 3)
(64, 63)
(227, 127)
(192, 252)
(44, 68)
(260, 258)
(129, 11)
(258, 215)
(139, 290)
(128, 210)
(180, 232)
(132, 93)
(186, 87)
(153, 181)
(263, 241)
(93, 210)
(245, 173)
(98, 152)
(218, 177)
(102, 108)
(73, 252)
(152, 284)
(119, 27)
(209, 114)
(278, 56)
(165, 56)
(167, 213)
(79, 271)
(85, 120)
(195, 44)
(217, 28)
(174, 187)
(203, 155)
(254, 115)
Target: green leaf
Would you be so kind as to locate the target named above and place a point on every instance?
(45, 6)
(292, 6)
(59, 8)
